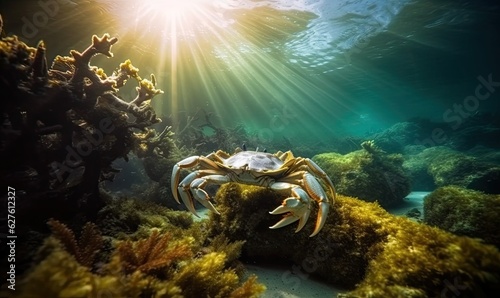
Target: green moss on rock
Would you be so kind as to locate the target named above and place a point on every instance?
(445, 166)
(361, 247)
(369, 174)
(464, 212)
(122, 216)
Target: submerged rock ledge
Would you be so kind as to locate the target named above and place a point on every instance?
(361, 247)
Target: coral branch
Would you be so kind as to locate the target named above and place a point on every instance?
(91, 83)
(65, 235)
(140, 106)
(99, 46)
(83, 70)
(189, 121)
(147, 90)
(126, 70)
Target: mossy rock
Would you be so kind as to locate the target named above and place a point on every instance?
(367, 175)
(464, 212)
(127, 215)
(361, 247)
(446, 166)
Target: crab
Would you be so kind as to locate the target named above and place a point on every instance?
(296, 176)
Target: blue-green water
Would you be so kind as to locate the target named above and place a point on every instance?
(345, 83)
(299, 69)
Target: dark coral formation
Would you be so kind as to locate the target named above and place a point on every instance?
(464, 212)
(63, 126)
(369, 174)
(479, 130)
(361, 247)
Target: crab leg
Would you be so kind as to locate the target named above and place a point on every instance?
(186, 163)
(176, 173)
(185, 193)
(322, 214)
(201, 195)
(311, 165)
(313, 187)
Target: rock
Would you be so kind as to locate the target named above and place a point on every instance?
(464, 212)
(446, 166)
(369, 174)
(361, 247)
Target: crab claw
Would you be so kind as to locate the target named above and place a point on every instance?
(297, 207)
(176, 173)
(316, 191)
(320, 221)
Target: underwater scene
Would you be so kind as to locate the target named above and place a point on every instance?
(250, 148)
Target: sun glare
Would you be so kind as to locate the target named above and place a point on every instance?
(173, 8)
(167, 27)
(217, 55)
(176, 6)
(158, 16)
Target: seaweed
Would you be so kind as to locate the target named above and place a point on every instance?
(164, 256)
(161, 265)
(151, 254)
(60, 275)
(85, 249)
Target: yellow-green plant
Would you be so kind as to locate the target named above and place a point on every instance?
(85, 249)
(151, 254)
(61, 275)
(157, 265)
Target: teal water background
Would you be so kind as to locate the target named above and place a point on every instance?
(305, 70)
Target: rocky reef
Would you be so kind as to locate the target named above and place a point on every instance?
(442, 166)
(464, 212)
(361, 248)
(395, 138)
(369, 174)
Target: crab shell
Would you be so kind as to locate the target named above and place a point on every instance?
(296, 176)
